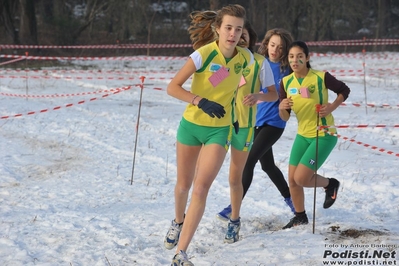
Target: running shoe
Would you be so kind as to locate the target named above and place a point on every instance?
(172, 237)
(233, 228)
(331, 193)
(181, 259)
(225, 214)
(299, 219)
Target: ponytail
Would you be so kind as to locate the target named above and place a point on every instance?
(201, 29)
(203, 24)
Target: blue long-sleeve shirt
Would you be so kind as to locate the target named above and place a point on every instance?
(267, 112)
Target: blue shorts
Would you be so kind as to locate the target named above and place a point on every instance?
(194, 135)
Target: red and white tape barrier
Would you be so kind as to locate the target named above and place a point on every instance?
(81, 77)
(373, 105)
(106, 46)
(13, 61)
(374, 72)
(58, 95)
(365, 144)
(379, 56)
(115, 58)
(381, 71)
(361, 126)
(82, 71)
(68, 94)
(148, 58)
(389, 70)
(103, 77)
(66, 106)
(360, 42)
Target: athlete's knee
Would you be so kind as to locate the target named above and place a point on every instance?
(303, 175)
(302, 179)
(183, 188)
(200, 192)
(292, 182)
(235, 182)
(296, 179)
(201, 187)
(300, 182)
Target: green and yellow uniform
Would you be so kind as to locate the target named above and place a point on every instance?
(208, 59)
(306, 93)
(197, 127)
(305, 108)
(258, 77)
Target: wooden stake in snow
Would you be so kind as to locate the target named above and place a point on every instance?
(137, 126)
(318, 106)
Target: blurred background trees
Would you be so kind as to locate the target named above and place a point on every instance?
(82, 22)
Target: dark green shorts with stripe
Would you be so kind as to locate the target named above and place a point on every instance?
(243, 140)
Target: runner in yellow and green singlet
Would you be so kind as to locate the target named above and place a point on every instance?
(302, 92)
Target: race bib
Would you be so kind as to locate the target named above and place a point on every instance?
(219, 76)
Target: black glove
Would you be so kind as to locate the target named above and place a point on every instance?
(211, 108)
(236, 126)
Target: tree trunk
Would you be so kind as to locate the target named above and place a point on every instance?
(383, 20)
(257, 18)
(28, 25)
(6, 18)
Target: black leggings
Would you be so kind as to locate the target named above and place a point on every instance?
(262, 151)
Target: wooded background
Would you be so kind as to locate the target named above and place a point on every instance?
(83, 22)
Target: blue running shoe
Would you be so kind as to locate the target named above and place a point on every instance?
(172, 237)
(225, 214)
(289, 203)
(233, 228)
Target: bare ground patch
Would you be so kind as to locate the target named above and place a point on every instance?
(357, 233)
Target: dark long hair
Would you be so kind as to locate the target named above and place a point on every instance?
(253, 37)
(304, 48)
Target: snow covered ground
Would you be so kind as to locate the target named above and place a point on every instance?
(66, 166)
